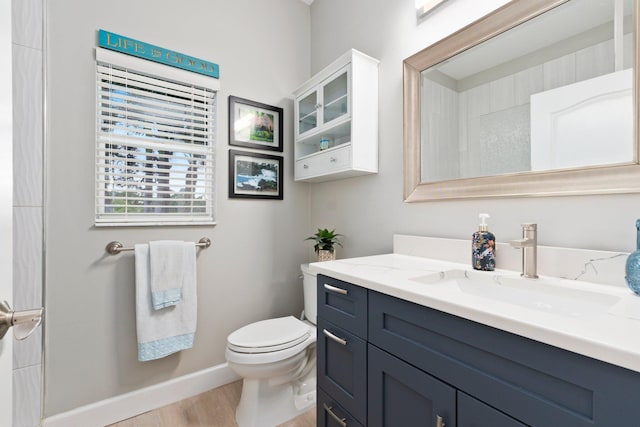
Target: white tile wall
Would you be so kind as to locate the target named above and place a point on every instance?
(28, 143)
(26, 396)
(27, 126)
(527, 82)
(594, 61)
(28, 352)
(27, 21)
(560, 72)
(27, 257)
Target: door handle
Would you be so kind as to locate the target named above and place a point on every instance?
(25, 321)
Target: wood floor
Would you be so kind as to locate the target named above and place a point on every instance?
(215, 408)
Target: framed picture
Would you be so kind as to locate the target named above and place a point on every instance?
(255, 125)
(255, 175)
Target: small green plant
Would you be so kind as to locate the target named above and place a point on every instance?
(325, 240)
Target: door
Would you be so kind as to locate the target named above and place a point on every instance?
(335, 96)
(402, 395)
(6, 191)
(307, 111)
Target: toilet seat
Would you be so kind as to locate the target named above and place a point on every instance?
(269, 335)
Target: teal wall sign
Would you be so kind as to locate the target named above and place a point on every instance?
(148, 51)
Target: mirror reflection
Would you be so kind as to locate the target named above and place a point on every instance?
(552, 93)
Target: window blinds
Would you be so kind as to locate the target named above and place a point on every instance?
(154, 153)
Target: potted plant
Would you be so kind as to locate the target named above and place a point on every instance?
(325, 242)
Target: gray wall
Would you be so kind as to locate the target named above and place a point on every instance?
(251, 271)
(369, 210)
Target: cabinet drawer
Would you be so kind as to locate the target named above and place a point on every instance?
(343, 304)
(324, 162)
(331, 414)
(342, 368)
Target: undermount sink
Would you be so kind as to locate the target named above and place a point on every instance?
(548, 295)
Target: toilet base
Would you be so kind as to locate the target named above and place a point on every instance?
(264, 404)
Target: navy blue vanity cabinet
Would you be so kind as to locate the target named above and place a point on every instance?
(342, 350)
(512, 378)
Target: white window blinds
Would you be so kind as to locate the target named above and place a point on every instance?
(154, 153)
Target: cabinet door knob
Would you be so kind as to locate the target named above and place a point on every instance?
(336, 338)
(318, 106)
(439, 421)
(329, 409)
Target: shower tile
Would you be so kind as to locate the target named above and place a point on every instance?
(502, 94)
(27, 258)
(27, 23)
(560, 71)
(27, 126)
(527, 83)
(28, 352)
(595, 61)
(27, 387)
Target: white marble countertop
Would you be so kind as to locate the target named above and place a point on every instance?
(611, 335)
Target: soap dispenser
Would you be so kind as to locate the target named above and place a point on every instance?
(483, 246)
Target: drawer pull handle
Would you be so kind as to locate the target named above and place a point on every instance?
(333, 159)
(334, 289)
(439, 421)
(334, 337)
(341, 421)
(305, 166)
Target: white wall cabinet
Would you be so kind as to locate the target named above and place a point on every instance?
(339, 104)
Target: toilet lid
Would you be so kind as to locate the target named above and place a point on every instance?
(269, 335)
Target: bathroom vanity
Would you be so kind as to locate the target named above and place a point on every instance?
(405, 341)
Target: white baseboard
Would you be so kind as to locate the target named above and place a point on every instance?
(130, 404)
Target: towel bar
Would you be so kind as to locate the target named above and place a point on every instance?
(114, 248)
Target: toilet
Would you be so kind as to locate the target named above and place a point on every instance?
(277, 360)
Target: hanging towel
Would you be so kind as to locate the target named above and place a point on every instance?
(171, 329)
(167, 272)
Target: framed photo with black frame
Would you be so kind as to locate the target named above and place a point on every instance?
(255, 125)
(255, 175)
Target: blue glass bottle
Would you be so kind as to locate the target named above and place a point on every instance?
(632, 267)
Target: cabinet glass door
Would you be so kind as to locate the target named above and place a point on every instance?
(335, 99)
(308, 113)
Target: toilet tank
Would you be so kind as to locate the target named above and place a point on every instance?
(310, 293)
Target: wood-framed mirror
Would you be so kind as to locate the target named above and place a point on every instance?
(455, 128)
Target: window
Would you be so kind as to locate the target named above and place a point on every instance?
(154, 144)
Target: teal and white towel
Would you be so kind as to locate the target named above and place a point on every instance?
(170, 329)
(166, 272)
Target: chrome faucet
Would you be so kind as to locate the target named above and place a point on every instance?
(529, 246)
